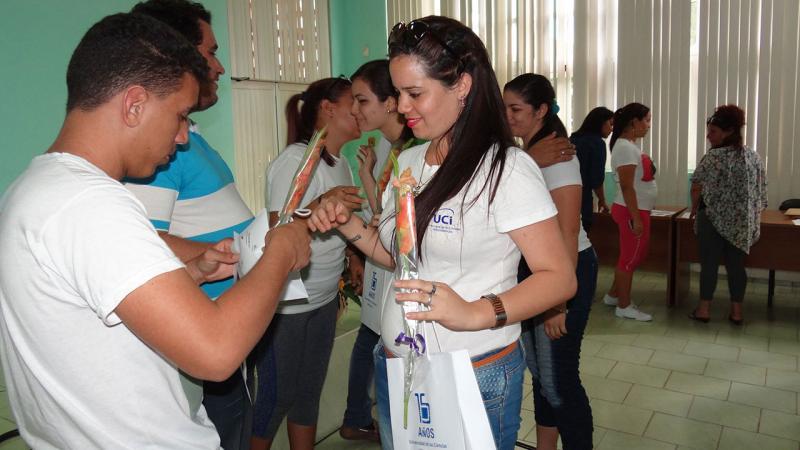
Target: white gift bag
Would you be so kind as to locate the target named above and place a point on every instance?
(445, 409)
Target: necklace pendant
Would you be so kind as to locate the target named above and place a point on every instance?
(416, 190)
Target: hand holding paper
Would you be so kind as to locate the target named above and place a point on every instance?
(251, 242)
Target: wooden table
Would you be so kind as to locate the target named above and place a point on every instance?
(777, 249)
(661, 256)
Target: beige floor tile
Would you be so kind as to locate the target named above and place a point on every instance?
(615, 440)
(768, 359)
(527, 427)
(766, 329)
(725, 413)
(715, 351)
(784, 346)
(763, 397)
(605, 389)
(626, 353)
(661, 400)
(698, 385)
(734, 371)
(780, 424)
(335, 442)
(733, 439)
(592, 365)
(590, 347)
(783, 379)
(660, 342)
(614, 416)
(678, 430)
(613, 338)
(692, 332)
(634, 373)
(741, 339)
(678, 361)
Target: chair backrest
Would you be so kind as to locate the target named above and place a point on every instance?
(789, 204)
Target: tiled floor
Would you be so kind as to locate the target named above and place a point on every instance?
(674, 383)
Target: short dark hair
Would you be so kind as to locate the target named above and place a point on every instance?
(127, 49)
(729, 118)
(182, 15)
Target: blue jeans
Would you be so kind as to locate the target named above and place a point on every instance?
(558, 395)
(228, 406)
(500, 383)
(359, 405)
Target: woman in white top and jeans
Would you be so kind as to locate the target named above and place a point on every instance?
(636, 196)
(552, 340)
(481, 204)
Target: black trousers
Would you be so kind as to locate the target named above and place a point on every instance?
(713, 247)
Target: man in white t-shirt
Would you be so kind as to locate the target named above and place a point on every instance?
(96, 312)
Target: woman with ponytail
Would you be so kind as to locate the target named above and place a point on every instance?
(481, 204)
(292, 357)
(552, 340)
(636, 195)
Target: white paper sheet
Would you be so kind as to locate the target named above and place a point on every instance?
(250, 244)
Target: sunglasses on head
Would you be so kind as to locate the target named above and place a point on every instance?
(410, 34)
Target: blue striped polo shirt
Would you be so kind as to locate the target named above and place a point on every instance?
(194, 197)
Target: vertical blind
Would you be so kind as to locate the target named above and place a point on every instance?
(278, 47)
(679, 57)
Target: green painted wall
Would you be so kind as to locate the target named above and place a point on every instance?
(38, 37)
(358, 34)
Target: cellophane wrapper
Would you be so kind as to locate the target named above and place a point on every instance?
(406, 269)
(302, 178)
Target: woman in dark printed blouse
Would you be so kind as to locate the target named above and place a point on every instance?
(729, 191)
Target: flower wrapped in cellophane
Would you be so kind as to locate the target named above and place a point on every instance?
(302, 178)
(406, 269)
(386, 172)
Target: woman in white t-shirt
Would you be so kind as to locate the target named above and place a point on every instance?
(634, 173)
(292, 357)
(552, 340)
(480, 204)
(375, 108)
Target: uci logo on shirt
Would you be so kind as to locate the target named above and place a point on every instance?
(424, 410)
(444, 221)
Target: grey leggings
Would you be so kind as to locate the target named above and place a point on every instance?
(712, 246)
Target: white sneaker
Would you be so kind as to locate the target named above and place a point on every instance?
(632, 312)
(610, 301)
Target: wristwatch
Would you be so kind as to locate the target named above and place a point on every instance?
(500, 316)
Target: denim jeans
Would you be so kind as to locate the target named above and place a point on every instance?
(362, 365)
(228, 406)
(500, 383)
(558, 395)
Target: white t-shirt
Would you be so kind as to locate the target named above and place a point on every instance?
(626, 153)
(471, 250)
(321, 276)
(75, 243)
(567, 173)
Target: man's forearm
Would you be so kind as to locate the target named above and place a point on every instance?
(184, 249)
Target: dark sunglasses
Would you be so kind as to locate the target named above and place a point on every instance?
(409, 35)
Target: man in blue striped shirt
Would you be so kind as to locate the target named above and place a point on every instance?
(193, 203)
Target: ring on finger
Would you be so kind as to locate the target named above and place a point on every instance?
(430, 300)
(432, 292)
